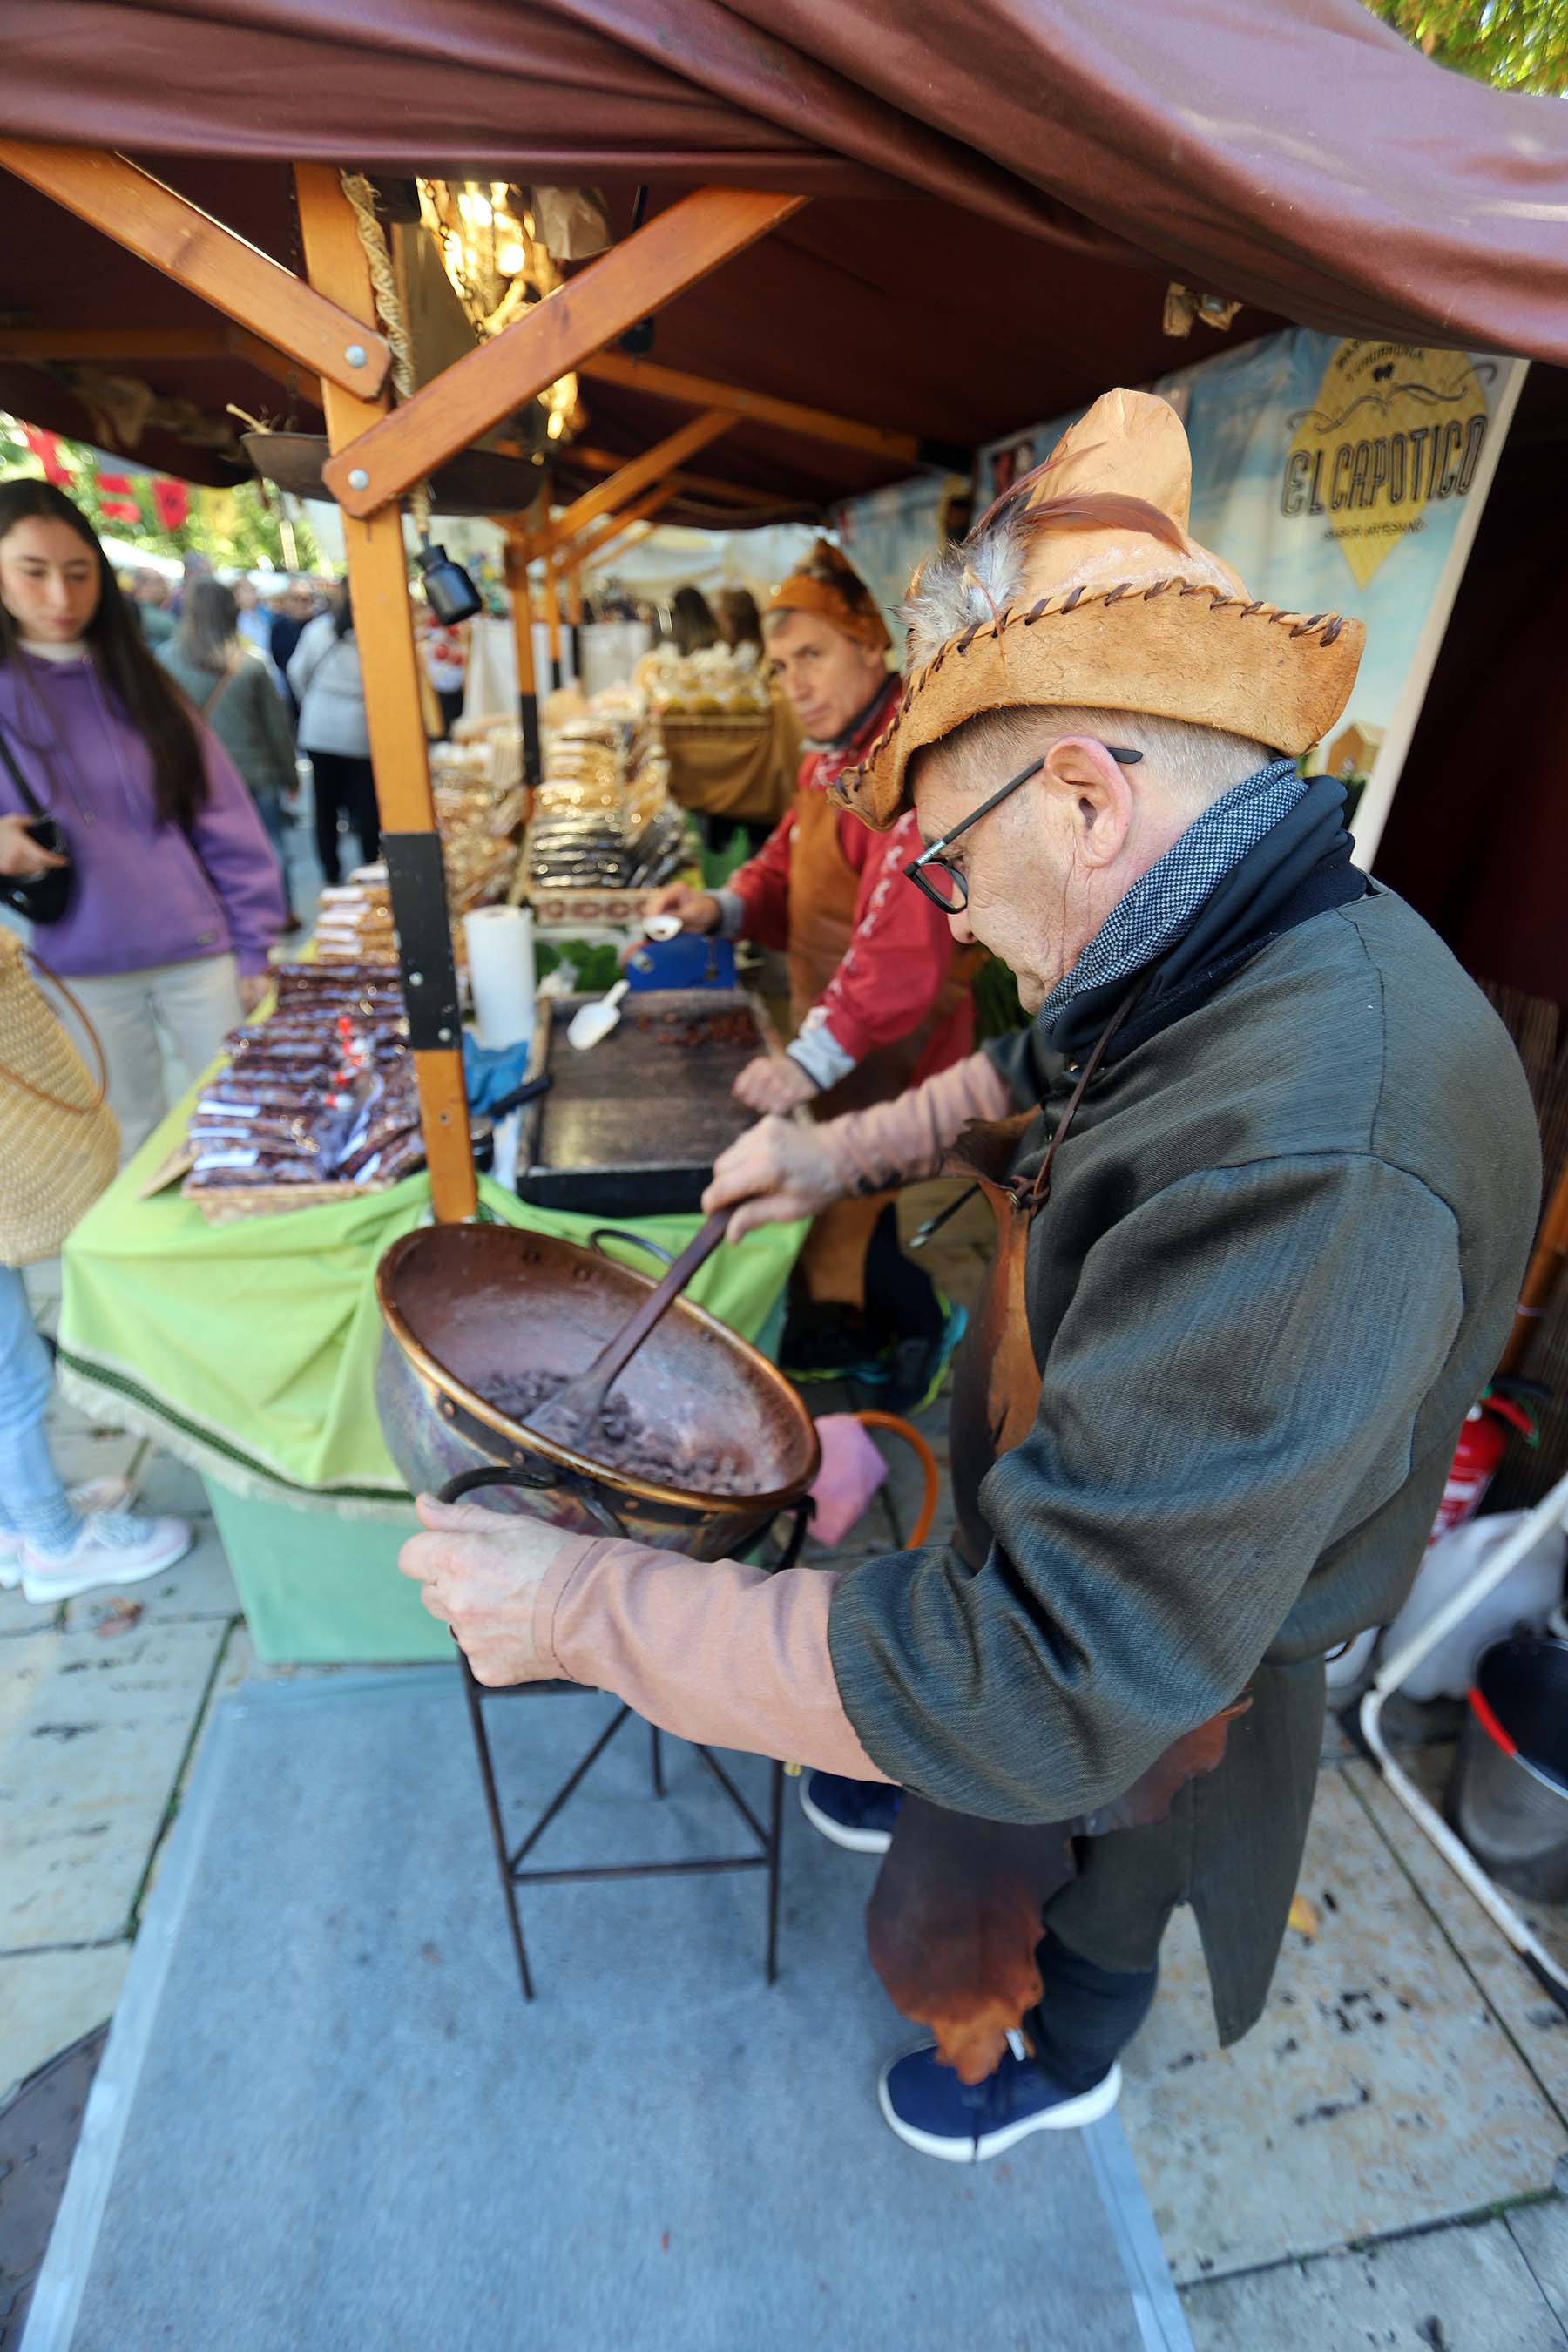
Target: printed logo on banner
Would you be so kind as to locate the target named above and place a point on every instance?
(1331, 474)
(1394, 429)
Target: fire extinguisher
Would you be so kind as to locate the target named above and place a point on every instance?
(1507, 1406)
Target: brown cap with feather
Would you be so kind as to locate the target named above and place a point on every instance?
(1080, 586)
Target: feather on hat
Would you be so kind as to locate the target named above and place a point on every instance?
(1081, 586)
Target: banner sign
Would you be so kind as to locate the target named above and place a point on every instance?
(1334, 476)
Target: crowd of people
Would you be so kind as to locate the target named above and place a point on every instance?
(151, 730)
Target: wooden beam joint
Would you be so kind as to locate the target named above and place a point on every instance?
(648, 270)
(177, 237)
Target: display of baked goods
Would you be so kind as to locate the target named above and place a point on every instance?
(603, 818)
(720, 682)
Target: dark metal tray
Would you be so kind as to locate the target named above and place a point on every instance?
(633, 1128)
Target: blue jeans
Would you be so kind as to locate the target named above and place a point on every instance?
(32, 1499)
(270, 808)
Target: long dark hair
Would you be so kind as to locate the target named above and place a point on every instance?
(152, 701)
(690, 622)
(209, 625)
(736, 618)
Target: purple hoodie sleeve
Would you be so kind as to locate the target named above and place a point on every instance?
(231, 842)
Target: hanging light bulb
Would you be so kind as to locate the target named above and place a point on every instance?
(510, 259)
(555, 425)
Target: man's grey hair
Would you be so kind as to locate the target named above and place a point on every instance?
(1195, 764)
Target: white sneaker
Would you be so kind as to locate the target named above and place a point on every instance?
(107, 1496)
(110, 1550)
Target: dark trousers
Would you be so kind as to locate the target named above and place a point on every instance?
(900, 1298)
(344, 788)
(1086, 2014)
(450, 698)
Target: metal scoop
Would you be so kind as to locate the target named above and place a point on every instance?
(591, 1024)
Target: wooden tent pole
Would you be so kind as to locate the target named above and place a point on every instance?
(709, 486)
(522, 637)
(788, 416)
(1541, 1276)
(572, 582)
(635, 532)
(383, 627)
(645, 270)
(597, 539)
(44, 345)
(141, 214)
(553, 622)
(635, 475)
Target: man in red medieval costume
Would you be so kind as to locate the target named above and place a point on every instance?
(1264, 1171)
(878, 990)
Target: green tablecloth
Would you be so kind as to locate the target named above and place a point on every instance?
(249, 1348)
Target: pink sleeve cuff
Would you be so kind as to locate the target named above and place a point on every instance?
(714, 1652)
(897, 1143)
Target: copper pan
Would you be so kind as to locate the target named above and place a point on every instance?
(469, 1305)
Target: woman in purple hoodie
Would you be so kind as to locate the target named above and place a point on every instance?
(176, 895)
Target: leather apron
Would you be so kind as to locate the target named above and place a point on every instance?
(822, 890)
(956, 1913)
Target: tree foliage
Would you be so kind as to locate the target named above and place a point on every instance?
(1517, 44)
(240, 530)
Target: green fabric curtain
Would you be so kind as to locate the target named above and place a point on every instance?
(249, 1348)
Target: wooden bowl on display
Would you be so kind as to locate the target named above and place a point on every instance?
(475, 482)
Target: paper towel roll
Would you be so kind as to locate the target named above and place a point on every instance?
(501, 972)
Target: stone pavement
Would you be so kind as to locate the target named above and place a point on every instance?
(1375, 2164)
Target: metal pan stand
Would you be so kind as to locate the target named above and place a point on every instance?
(511, 1862)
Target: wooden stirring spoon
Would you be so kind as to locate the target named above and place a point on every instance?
(571, 1415)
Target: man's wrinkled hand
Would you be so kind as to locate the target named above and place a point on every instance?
(481, 1574)
(774, 1084)
(777, 1171)
(255, 988)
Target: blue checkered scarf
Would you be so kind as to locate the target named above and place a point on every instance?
(1164, 903)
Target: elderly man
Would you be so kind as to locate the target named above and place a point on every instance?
(878, 990)
(1264, 1196)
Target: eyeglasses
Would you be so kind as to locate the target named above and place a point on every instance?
(942, 884)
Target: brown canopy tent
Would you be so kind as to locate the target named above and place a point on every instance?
(871, 242)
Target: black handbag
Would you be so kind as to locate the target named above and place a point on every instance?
(41, 898)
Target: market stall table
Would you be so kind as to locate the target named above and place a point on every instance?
(248, 1350)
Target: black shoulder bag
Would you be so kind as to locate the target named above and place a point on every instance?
(41, 898)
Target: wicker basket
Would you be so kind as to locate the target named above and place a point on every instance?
(58, 1141)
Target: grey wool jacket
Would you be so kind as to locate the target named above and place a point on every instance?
(248, 717)
(1281, 1257)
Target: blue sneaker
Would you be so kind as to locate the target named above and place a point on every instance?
(931, 2110)
(859, 1814)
